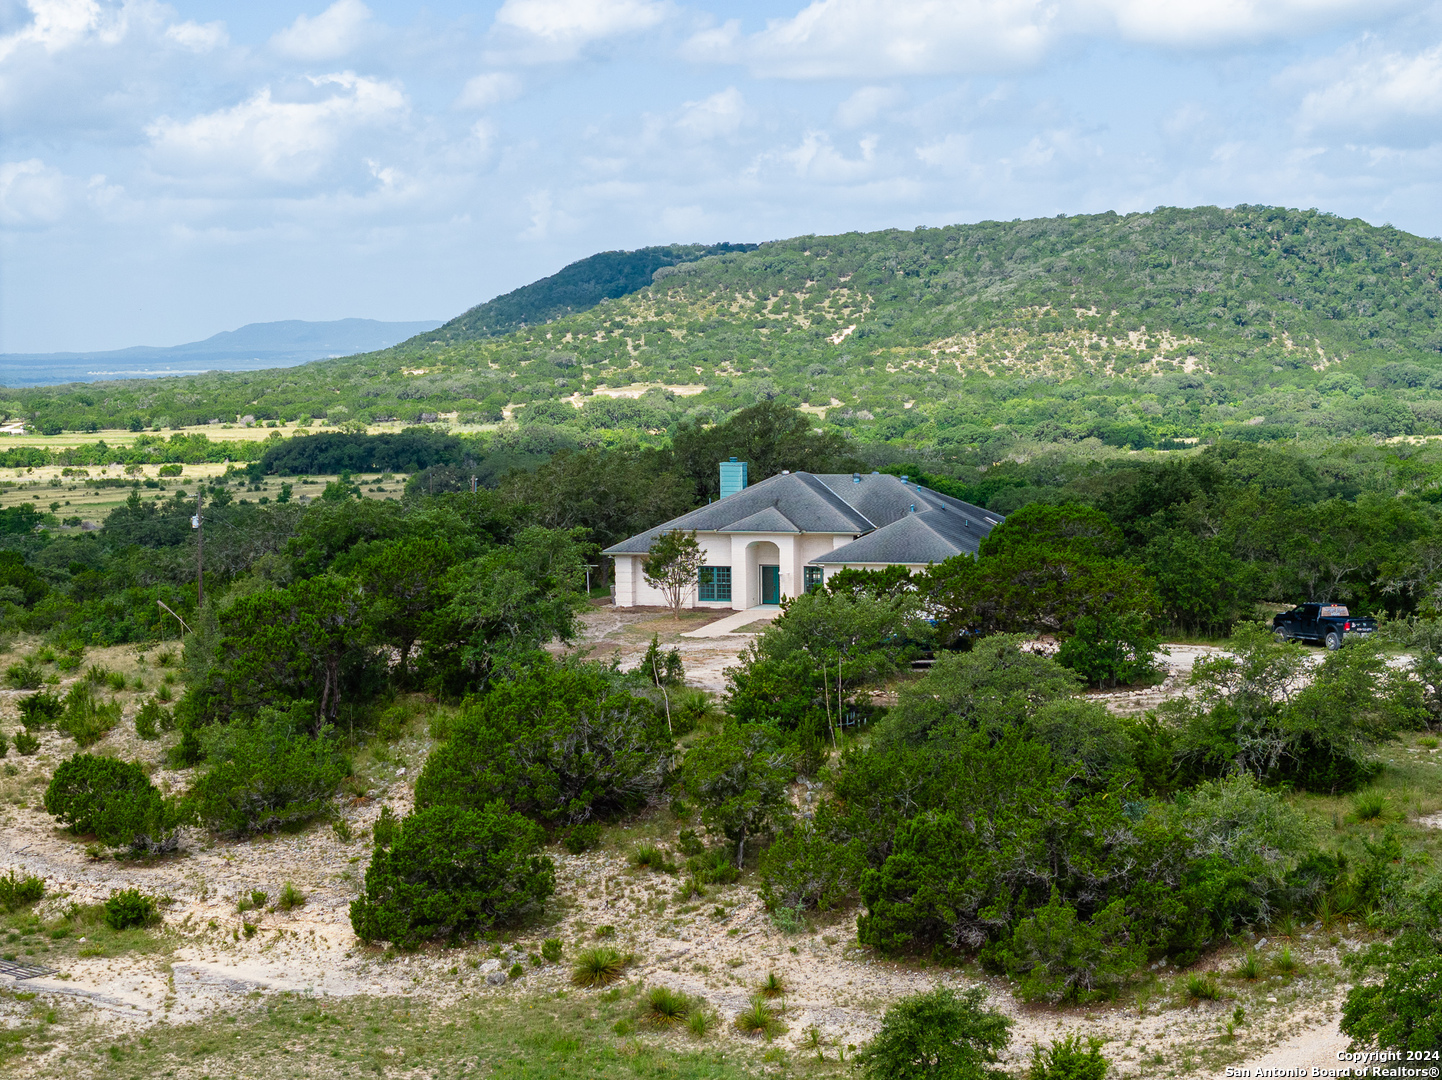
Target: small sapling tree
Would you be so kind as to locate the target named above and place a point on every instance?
(672, 565)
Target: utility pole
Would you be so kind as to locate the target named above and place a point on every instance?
(195, 523)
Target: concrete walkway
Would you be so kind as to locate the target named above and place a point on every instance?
(732, 623)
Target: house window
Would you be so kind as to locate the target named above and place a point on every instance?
(715, 584)
(814, 576)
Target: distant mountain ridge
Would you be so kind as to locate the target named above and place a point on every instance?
(580, 286)
(251, 347)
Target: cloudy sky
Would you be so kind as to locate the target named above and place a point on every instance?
(171, 170)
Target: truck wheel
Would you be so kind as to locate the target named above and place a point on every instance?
(1334, 640)
(1281, 634)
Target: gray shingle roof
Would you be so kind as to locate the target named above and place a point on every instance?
(927, 536)
(896, 522)
(804, 501)
(769, 520)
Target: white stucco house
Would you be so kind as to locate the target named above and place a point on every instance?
(790, 532)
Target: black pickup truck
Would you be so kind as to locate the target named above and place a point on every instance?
(1326, 624)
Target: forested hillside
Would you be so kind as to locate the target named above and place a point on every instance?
(577, 287)
(963, 343)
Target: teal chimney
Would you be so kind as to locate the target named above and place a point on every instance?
(733, 477)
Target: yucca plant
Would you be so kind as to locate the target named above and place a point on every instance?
(600, 966)
(1369, 806)
(1250, 968)
(665, 1007)
(700, 1023)
(758, 1019)
(1285, 962)
(1201, 988)
(650, 857)
(691, 886)
(773, 986)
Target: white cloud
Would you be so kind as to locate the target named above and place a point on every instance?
(284, 141)
(331, 34)
(56, 25)
(867, 104)
(198, 37)
(1208, 23)
(879, 38)
(31, 193)
(491, 88)
(720, 114)
(1370, 92)
(884, 38)
(572, 23)
(818, 160)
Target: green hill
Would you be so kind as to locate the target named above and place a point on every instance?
(961, 343)
(577, 287)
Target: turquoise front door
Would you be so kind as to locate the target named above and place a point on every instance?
(771, 584)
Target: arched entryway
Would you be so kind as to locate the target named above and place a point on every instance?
(763, 565)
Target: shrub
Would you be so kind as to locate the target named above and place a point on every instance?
(384, 829)
(452, 873)
(26, 743)
(758, 1018)
(290, 898)
(130, 908)
(1404, 1011)
(715, 868)
(662, 667)
(1062, 958)
(665, 1007)
(150, 720)
(560, 744)
(1111, 649)
(4, 745)
(738, 777)
(551, 950)
(583, 837)
(18, 892)
(809, 866)
(116, 801)
(1065, 1059)
(37, 710)
(516, 971)
(599, 966)
(25, 675)
(953, 1033)
(252, 901)
(265, 775)
(85, 719)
